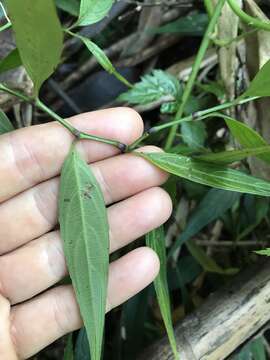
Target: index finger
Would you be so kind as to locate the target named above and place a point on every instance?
(31, 155)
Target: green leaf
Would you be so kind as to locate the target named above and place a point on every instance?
(85, 232)
(194, 134)
(260, 85)
(230, 156)
(246, 136)
(5, 124)
(11, 61)
(102, 58)
(206, 262)
(195, 24)
(38, 37)
(152, 87)
(68, 355)
(213, 205)
(254, 210)
(92, 11)
(70, 6)
(265, 252)
(156, 241)
(213, 175)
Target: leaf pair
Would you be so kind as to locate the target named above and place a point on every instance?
(85, 232)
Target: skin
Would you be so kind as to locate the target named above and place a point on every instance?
(33, 311)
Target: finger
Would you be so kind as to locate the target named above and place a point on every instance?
(7, 350)
(34, 212)
(31, 155)
(40, 264)
(57, 311)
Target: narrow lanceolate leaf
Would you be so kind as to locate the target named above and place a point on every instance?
(92, 11)
(246, 136)
(38, 37)
(85, 232)
(156, 241)
(213, 175)
(5, 124)
(102, 58)
(260, 86)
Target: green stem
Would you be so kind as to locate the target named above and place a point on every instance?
(250, 20)
(199, 115)
(222, 43)
(77, 133)
(195, 69)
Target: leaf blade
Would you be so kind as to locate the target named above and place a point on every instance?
(102, 58)
(84, 230)
(92, 11)
(151, 88)
(213, 175)
(38, 35)
(156, 241)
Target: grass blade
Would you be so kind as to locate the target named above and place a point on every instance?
(156, 241)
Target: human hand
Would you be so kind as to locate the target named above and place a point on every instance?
(34, 312)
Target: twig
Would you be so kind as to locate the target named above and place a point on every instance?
(77, 133)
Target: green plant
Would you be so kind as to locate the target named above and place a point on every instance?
(39, 40)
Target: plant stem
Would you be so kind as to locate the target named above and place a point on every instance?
(199, 115)
(77, 133)
(250, 20)
(195, 69)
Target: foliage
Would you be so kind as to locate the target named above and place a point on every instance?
(192, 156)
(156, 241)
(86, 244)
(152, 87)
(38, 35)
